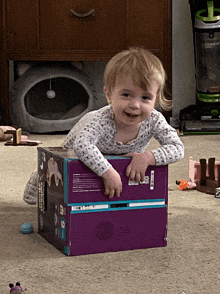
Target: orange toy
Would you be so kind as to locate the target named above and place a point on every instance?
(184, 185)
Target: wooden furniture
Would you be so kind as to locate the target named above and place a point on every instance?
(77, 30)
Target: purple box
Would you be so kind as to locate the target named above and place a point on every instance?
(77, 217)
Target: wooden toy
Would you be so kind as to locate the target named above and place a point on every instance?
(19, 139)
(77, 217)
(208, 184)
(16, 137)
(205, 175)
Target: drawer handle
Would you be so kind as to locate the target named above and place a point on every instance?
(91, 12)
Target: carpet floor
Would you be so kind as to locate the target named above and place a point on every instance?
(190, 263)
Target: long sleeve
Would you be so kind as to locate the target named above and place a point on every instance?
(94, 136)
(86, 150)
(171, 149)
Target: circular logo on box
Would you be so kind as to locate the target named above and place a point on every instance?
(104, 230)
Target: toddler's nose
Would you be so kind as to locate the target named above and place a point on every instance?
(134, 103)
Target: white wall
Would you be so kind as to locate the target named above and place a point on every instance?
(184, 83)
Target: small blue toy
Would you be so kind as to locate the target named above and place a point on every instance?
(27, 228)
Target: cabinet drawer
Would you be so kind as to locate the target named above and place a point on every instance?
(62, 25)
(21, 24)
(149, 28)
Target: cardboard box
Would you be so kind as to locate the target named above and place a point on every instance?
(77, 217)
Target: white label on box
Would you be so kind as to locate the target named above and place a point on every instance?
(86, 182)
(152, 180)
(135, 183)
(148, 203)
(89, 207)
(145, 181)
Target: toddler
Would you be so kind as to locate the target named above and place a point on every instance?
(134, 81)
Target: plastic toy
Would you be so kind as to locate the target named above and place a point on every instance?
(184, 185)
(17, 289)
(27, 228)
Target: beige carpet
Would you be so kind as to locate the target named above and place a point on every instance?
(190, 263)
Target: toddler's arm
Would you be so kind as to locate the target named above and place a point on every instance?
(83, 139)
(112, 182)
(138, 165)
(171, 149)
(86, 150)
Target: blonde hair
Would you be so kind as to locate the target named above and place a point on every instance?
(142, 65)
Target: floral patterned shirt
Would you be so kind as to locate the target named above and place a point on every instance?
(94, 135)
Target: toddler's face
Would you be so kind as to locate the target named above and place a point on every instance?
(131, 104)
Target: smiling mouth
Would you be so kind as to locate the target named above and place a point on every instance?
(131, 115)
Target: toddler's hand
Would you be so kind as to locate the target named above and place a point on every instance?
(112, 182)
(138, 165)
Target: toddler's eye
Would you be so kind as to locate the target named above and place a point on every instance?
(146, 98)
(125, 94)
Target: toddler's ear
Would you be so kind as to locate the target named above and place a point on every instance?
(106, 95)
(157, 101)
(105, 90)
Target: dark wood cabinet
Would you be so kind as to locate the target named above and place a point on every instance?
(41, 30)
(21, 25)
(62, 25)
